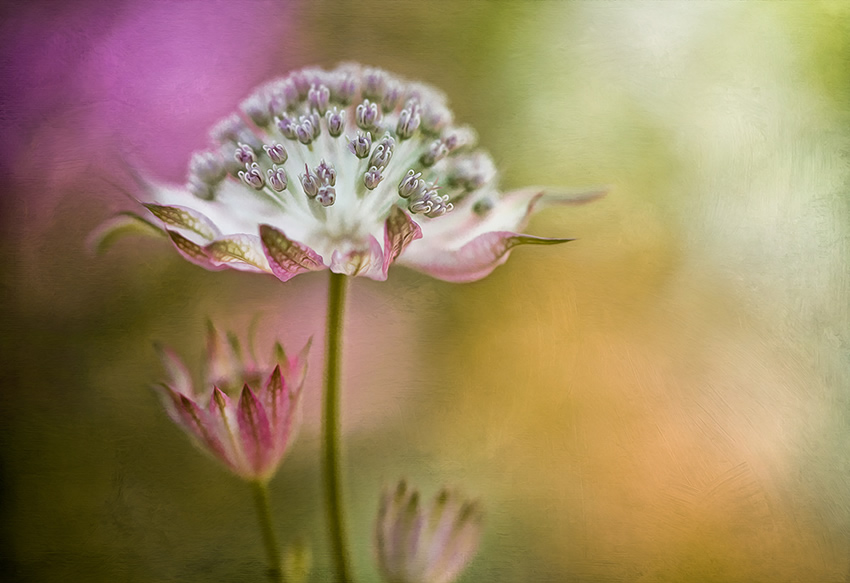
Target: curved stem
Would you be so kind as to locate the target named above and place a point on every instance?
(261, 500)
(330, 428)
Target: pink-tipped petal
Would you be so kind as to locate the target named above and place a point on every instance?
(186, 219)
(280, 402)
(399, 231)
(255, 431)
(243, 252)
(287, 258)
(198, 424)
(179, 378)
(478, 257)
(193, 252)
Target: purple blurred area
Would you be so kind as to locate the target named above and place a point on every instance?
(89, 83)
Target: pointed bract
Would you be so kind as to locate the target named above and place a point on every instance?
(249, 435)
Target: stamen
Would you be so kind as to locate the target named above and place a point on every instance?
(374, 82)
(408, 121)
(326, 173)
(345, 87)
(372, 178)
(383, 152)
(336, 121)
(326, 196)
(276, 152)
(392, 95)
(244, 154)
(360, 145)
(277, 178)
(367, 115)
(410, 184)
(287, 126)
(251, 175)
(310, 182)
(318, 98)
(305, 131)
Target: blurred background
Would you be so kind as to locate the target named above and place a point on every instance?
(665, 399)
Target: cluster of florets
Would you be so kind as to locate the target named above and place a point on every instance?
(376, 134)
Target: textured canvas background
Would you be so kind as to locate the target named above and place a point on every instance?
(665, 399)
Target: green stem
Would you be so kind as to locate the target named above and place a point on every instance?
(261, 501)
(330, 429)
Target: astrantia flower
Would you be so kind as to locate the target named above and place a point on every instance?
(250, 432)
(419, 543)
(350, 169)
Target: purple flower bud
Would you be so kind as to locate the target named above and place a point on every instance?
(436, 152)
(372, 178)
(276, 152)
(251, 175)
(345, 86)
(244, 154)
(326, 173)
(367, 115)
(233, 129)
(287, 126)
(304, 131)
(326, 195)
(315, 118)
(257, 108)
(436, 116)
(318, 98)
(392, 95)
(374, 82)
(460, 137)
(336, 121)
(361, 145)
(410, 184)
(277, 178)
(408, 121)
(310, 183)
(207, 167)
(382, 153)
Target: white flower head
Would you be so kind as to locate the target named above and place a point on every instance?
(350, 169)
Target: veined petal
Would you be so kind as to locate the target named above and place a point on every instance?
(244, 252)
(281, 404)
(287, 258)
(188, 220)
(222, 410)
(193, 252)
(477, 258)
(198, 424)
(399, 231)
(254, 430)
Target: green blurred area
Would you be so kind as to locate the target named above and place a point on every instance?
(664, 399)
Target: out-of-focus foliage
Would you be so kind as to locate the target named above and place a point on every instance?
(665, 399)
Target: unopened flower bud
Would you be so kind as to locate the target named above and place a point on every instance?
(372, 178)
